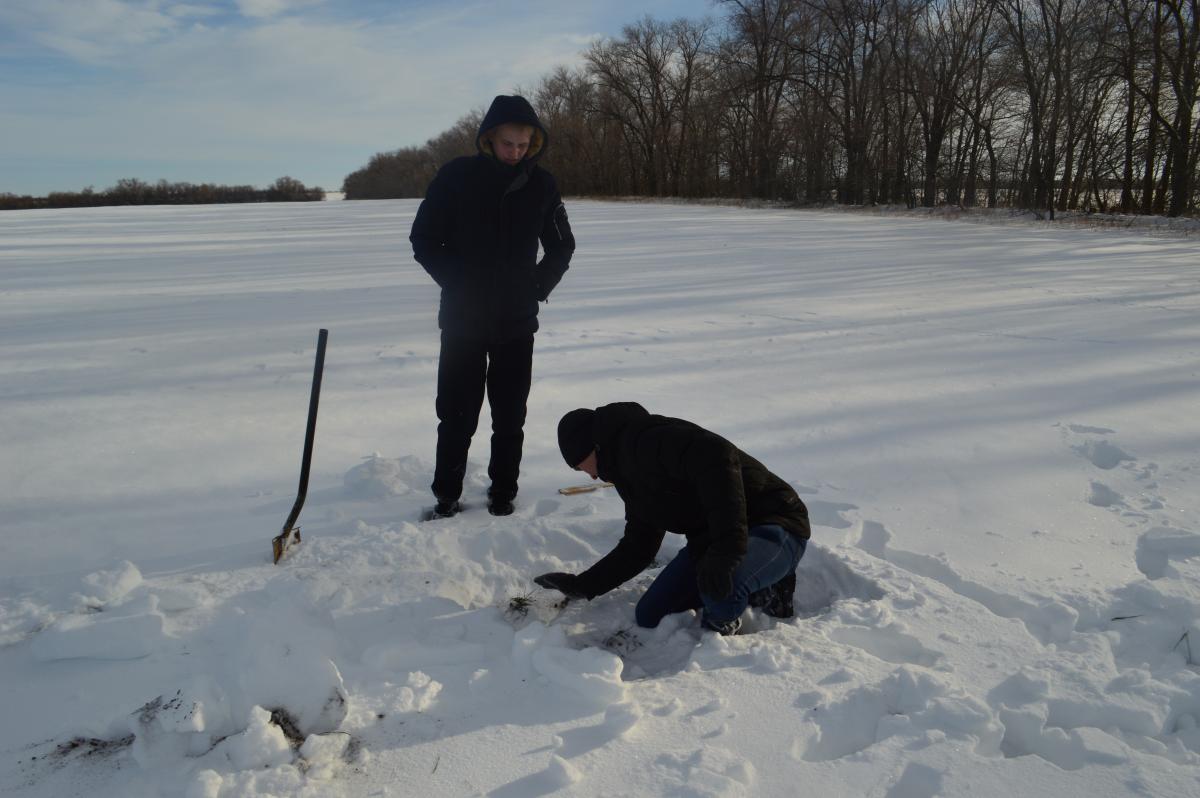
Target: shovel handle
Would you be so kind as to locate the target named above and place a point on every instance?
(280, 543)
(571, 491)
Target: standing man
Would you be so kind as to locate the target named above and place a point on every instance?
(477, 234)
(746, 528)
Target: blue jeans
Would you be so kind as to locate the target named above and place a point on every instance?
(771, 554)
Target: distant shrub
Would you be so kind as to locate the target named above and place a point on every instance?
(401, 174)
(131, 191)
(407, 172)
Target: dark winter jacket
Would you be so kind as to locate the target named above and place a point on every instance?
(477, 234)
(675, 476)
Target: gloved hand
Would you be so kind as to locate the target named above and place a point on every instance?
(567, 584)
(714, 577)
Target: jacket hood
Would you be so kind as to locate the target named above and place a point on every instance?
(512, 109)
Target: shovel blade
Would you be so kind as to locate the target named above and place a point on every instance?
(283, 541)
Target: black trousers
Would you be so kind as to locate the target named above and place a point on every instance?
(466, 370)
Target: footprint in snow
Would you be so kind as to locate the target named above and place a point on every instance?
(1084, 429)
(917, 781)
(829, 514)
(1048, 622)
(887, 644)
(1103, 454)
(1157, 547)
(619, 720)
(719, 770)
(1101, 495)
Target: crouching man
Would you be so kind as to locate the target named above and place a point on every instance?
(746, 528)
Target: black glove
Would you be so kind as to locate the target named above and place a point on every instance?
(714, 577)
(567, 584)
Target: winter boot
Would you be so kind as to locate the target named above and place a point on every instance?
(777, 599)
(446, 508)
(499, 504)
(723, 628)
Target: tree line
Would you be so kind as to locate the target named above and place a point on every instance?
(1051, 105)
(131, 191)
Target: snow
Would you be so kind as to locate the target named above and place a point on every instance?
(993, 425)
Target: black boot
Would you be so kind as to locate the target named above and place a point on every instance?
(723, 628)
(500, 504)
(446, 508)
(777, 599)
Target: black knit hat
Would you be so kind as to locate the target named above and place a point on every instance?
(576, 439)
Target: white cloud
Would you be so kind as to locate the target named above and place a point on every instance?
(384, 83)
(90, 31)
(320, 91)
(265, 9)
(186, 10)
(261, 8)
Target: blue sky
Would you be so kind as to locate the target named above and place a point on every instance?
(245, 91)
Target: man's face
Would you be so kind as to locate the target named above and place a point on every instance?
(511, 142)
(588, 466)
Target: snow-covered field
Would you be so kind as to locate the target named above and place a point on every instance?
(994, 426)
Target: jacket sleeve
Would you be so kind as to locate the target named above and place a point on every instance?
(712, 467)
(558, 245)
(431, 230)
(632, 554)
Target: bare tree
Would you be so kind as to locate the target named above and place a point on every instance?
(852, 45)
(1177, 46)
(1128, 44)
(1049, 104)
(631, 72)
(938, 62)
(758, 60)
